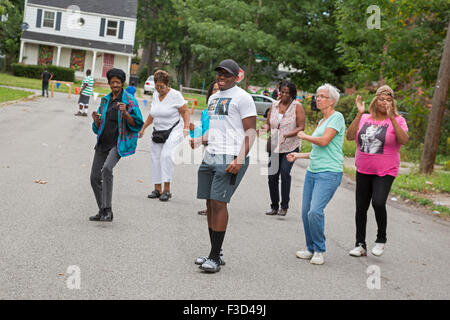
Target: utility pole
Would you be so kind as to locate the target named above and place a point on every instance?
(438, 107)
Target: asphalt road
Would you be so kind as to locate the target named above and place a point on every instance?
(149, 249)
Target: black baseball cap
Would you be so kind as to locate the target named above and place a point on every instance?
(230, 65)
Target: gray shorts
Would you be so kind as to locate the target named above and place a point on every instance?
(83, 100)
(213, 182)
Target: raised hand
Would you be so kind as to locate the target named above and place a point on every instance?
(361, 107)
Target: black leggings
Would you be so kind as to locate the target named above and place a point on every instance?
(375, 188)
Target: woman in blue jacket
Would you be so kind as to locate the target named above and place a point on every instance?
(197, 132)
(116, 124)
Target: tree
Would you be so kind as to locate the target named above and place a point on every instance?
(438, 108)
(157, 26)
(229, 28)
(11, 13)
(308, 34)
(411, 32)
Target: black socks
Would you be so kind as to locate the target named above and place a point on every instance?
(216, 244)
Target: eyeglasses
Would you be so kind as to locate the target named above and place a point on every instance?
(225, 74)
(322, 97)
(383, 100)
(160, 87)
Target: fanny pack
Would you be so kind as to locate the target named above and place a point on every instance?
(160, 136)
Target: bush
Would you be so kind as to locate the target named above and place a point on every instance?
(35, 71)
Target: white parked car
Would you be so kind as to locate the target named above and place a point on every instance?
(149, 86)
(262, 103)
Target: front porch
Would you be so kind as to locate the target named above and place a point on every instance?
(79, 59)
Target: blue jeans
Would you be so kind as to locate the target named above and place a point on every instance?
(318, 190)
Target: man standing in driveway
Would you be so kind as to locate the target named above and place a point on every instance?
(231, 135)
(46, 77)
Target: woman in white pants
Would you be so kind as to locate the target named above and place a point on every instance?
(170, 117)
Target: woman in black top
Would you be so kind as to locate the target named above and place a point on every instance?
(116, 127)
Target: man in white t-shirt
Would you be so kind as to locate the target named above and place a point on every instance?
(231, 134)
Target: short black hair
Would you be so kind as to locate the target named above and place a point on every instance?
(118, 73)
(211, 87)
(88, 72)
(292, 88)
(132, 84)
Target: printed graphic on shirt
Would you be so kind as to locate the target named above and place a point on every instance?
(372, 138)
(219, 106)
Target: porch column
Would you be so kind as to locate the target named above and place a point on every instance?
(93, 64)
(129, 67)
(58, 56)
(21, 50)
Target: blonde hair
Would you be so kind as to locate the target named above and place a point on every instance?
(383, 90)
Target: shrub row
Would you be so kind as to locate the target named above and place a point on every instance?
(35, 71)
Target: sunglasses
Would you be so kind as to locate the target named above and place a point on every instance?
(225, 74)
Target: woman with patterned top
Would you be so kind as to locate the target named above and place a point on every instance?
(285, 119)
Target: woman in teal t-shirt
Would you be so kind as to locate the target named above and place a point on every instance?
(324, 172)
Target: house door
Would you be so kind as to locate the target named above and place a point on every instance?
(108, 63)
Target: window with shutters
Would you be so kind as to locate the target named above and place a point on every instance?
(111, 28)
(49, 19)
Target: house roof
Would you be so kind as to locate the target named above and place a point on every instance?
(77, 42)
(120, 8)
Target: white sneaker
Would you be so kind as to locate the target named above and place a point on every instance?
(317, 258)
(359, 251)
(378, 249)
(304, 254)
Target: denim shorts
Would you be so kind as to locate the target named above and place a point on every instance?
(213, 182)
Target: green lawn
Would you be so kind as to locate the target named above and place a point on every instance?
(11, 95)
(201, 100)
(22, 82)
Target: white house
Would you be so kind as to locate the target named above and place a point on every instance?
(80, 34)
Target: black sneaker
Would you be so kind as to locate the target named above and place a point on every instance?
(165, 196)
(79, 113)
(155, 194)
(107, 216)
(98, 216)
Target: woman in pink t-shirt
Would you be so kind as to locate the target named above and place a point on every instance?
(379, 136)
